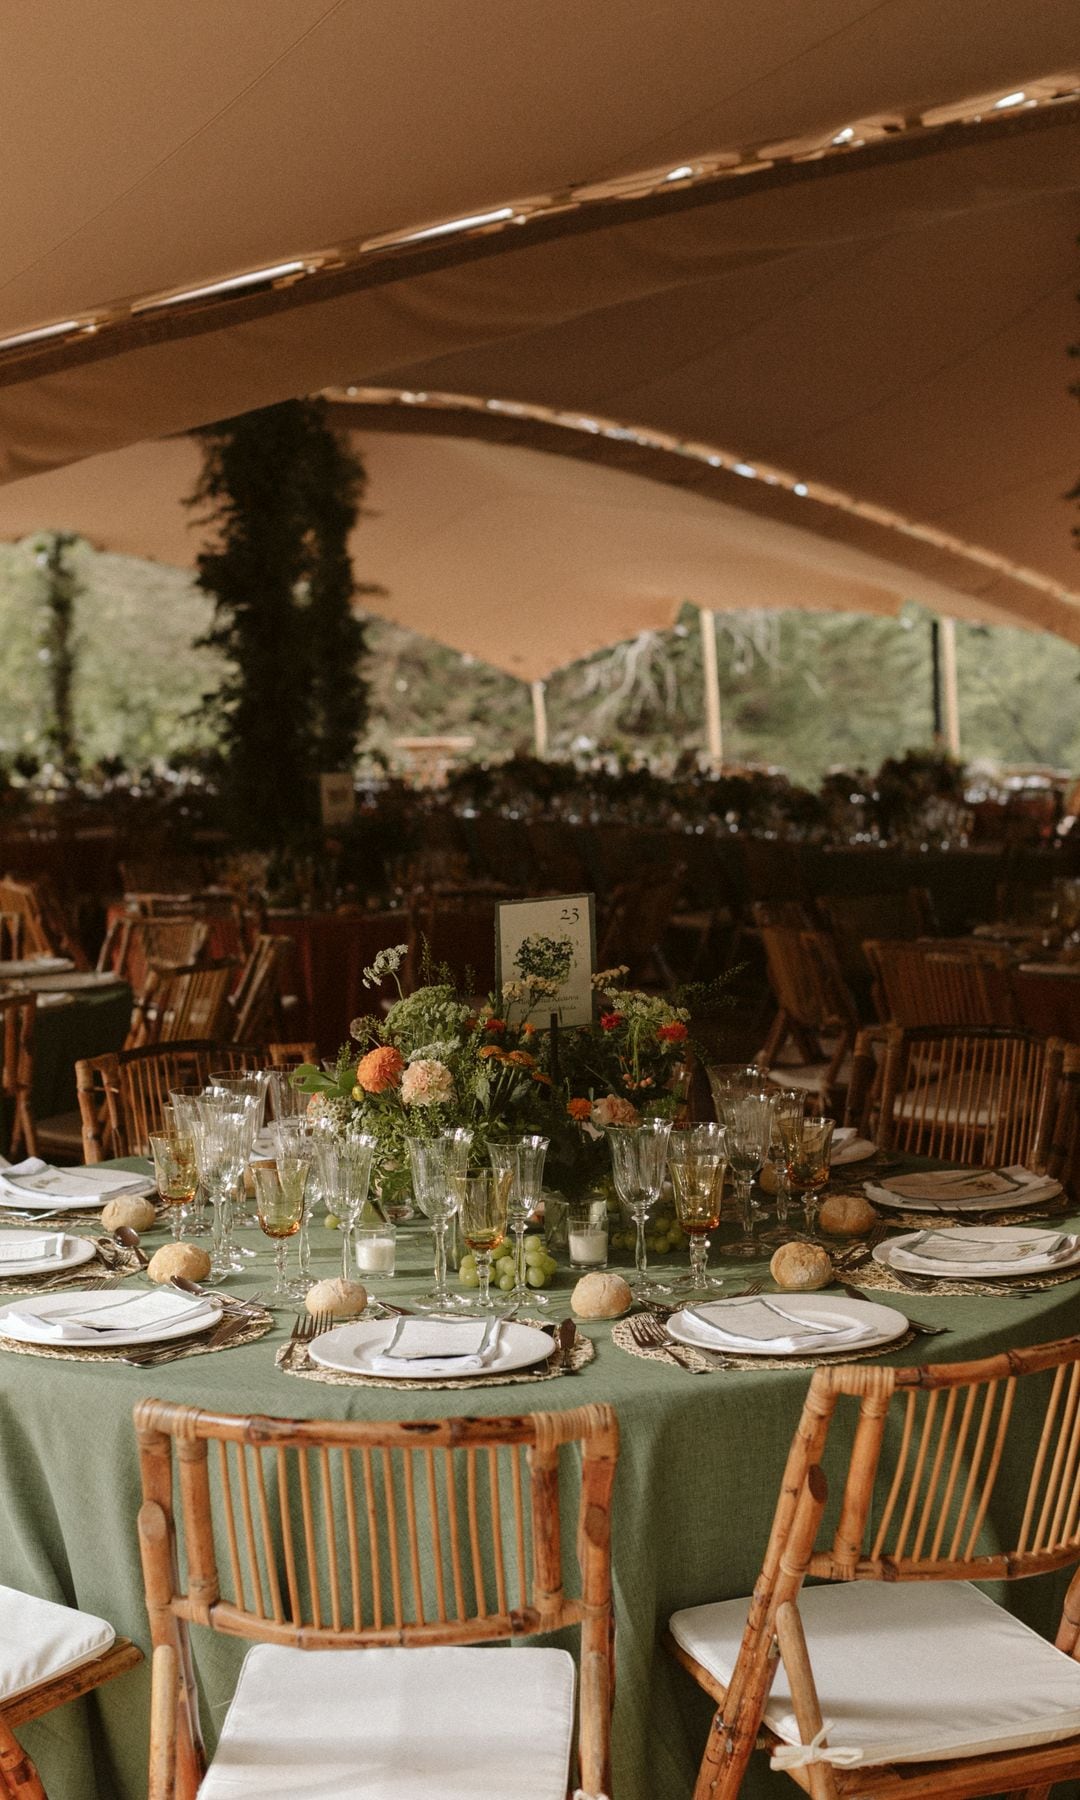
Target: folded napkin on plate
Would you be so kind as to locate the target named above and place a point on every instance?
(92, 1184)
(440, 1347)
(748, 1322)
(848, 1146)
(32, 1249)
(960, 1187)
(139, 1313)
(987, 1243)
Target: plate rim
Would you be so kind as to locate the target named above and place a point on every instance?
(974, 1271)
(95, 1341)
(811, 1299)
(382, 1375)
(43, 1264)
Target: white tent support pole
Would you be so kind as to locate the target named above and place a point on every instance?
(540, 718)
(950, 687)
(710, 670)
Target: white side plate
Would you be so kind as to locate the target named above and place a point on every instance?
(352, 1348)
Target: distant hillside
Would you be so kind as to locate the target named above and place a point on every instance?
(803, 690)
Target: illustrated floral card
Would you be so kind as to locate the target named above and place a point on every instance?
(545, 953)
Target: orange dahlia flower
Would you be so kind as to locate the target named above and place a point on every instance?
(579, 1109)
(380, 1069)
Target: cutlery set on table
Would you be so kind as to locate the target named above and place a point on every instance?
(406, 1348)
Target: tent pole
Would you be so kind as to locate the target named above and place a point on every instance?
(711, 676)
(950, 687)
(935, 679)
(540, 720)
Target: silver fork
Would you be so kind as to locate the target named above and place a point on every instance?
(648, 1334)
(306, 1327)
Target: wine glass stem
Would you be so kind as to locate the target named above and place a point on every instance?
(521, 1291)
(346, 1249)
(222, 1223)
(439, 1230)
(303, 1248)
(641, 1261)
(483, 1270)
(177, 1210)
(783, 1199)
(699, 1256)
(279, 1254)
(743, 1186)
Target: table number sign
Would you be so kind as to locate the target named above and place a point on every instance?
(549, 947)
(337, 799)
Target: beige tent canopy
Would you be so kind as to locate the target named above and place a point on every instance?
(836, 241)
(525, 558)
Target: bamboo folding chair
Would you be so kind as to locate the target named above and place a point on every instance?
(924, 984)
(122, 1093)
(257, 1001)
(11, 936)
(392, 1542)
(132, 944)
(290, 1056)
(17, 1016)
(189, 1002)
(969, 1095)
(44, 928)
(920, 1684)
(813, 1003)
(68, 1652)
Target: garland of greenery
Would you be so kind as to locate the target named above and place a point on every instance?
(58, 649)
(282, 493)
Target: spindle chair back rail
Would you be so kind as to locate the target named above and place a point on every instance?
(291, 1056)
(920, 1502)
(132, 945)
(18, 1013)
(940, 984)
(326, 1535)
(970, 1095)
(257, 1000)
(184, 1003)
(122, 1094)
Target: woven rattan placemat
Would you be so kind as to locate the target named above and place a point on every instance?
(255, 1329)
(115, 1267)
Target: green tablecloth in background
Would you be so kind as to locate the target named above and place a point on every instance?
(698, 1477)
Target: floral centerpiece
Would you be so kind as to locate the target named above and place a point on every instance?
(435, 1062)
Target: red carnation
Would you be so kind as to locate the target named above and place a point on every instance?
(673, 1033)
(494, 1024)
(611, 1021)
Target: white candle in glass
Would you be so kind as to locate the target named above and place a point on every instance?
(374, 1255)
(589, 1245)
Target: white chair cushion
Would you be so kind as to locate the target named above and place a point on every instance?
(463, 1724)
(39, 1639)
(908, 1671)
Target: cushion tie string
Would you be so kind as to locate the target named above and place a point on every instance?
(801, 1756)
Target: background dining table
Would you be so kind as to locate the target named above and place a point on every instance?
(698, 1477)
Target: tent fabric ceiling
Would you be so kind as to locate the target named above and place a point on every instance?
(522, 558)
(895, 326)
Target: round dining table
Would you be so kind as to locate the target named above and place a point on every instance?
(698, 1475)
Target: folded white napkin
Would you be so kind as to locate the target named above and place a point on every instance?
(851, 1147)
(38, 1180)
(954, 1189)
(32, 1249)
(439, 1347)
(987, 1243)
(740, 1323)
(136, 1314)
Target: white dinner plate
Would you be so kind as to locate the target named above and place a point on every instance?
(1018, 1199)
(883, 1324)
(76, 1251)
(960, 1271)
(352, 1349)
(195, 1318)
(74, 981)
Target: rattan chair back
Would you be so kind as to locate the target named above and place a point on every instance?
(122, 1094)
(190, 1002)
(970, 1095)
(333, 1535)
(17, 1016)
(923, 1499)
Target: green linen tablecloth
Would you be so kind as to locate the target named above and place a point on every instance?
(697, 1480)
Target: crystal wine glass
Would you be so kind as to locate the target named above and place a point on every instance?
(808, 1154)
(345, 1172)
(747, 1121)
(787, 1109)
(435, 1164)
(697, 1159)
(279, 1199)
(638, 1159)
(218, 1152)
(175, 1170)
(483, 1200)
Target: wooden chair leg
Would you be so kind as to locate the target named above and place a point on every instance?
(164, 1706)
(804, 1698)
(18, 1777)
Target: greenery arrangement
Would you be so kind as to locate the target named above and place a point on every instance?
(434, 1064)
(281, 493)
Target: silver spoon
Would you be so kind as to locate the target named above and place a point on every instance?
(124, 1234)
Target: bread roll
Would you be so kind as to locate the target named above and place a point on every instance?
(601, 1295)
(139, 1213)
(187, 1260)
(801, 1268)
(340, 1298)
(846, 1215)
